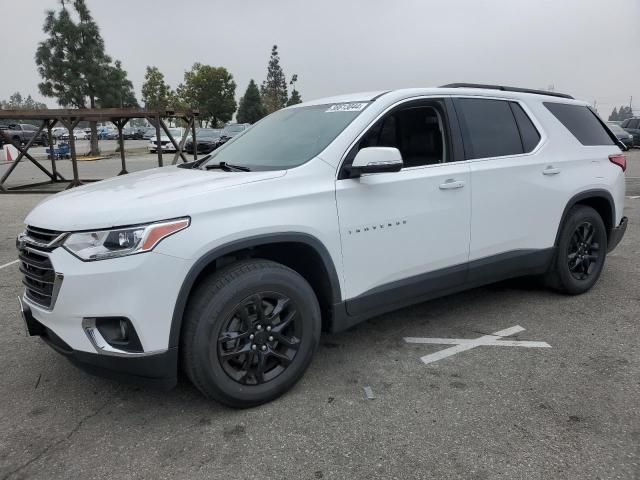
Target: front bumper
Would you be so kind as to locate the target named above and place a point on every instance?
(617, 233)
(159, 370)
(142, 288)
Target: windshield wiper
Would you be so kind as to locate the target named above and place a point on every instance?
(228, 167)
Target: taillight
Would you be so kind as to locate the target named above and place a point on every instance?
(619, 160)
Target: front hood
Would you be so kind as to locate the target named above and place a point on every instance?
(147, 196)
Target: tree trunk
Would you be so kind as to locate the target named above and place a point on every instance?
(95, 148)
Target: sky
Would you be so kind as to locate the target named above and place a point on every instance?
(587, 48)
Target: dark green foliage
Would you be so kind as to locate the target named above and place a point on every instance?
(295, 94)
(274, 88)
(120, 94)
(621, 114)
(156, 94)
(17, 102)
(211, 90)
(251, 109)
(74, 66)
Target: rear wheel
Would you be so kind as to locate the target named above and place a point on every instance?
(582, 248)
(250, 331)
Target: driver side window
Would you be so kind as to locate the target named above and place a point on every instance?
(417, 130)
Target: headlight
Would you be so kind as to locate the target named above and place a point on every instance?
(119, 242)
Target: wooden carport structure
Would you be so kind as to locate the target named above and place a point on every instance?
(70, 118)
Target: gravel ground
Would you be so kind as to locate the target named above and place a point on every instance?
(566, 412)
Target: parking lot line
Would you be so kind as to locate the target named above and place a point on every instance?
(8, 264)
(463, 344)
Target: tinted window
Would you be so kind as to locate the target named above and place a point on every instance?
(489, 128)
(633, 124)
(581, 122)
(528, 133)
(415, 131)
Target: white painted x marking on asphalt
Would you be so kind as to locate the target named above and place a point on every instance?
(462, 344)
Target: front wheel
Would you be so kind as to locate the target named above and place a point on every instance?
(249, 332)
(582, 248)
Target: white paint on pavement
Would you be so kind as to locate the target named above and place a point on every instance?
(463, 344)
(369, 393)
(8, 264)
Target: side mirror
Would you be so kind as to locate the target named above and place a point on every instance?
(376, 160)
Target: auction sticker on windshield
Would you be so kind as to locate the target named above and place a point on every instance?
(346, 107)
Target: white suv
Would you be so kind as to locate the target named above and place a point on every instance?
(316, 218)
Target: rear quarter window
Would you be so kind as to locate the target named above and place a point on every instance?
(582, 123)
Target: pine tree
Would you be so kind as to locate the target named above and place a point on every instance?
(295, 94)
(74, 66)
(120, 92)
(274, 88)
(155, 92)
(614, 115)
(251, 109)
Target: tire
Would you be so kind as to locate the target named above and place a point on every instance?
(281, 345)
(581, 252)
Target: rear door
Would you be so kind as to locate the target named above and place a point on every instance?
(516, 189)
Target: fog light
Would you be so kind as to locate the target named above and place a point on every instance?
(114, 334)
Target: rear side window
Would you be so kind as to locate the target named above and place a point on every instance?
(528, 133)
(582, 123)
(489, 128)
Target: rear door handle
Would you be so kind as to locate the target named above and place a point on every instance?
(551, 171)
(451, 184)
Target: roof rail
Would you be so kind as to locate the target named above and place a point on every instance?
(506, 89)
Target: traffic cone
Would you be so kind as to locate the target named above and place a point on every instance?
(9, 158)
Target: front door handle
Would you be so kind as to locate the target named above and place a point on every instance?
(451, 184)
(550, 170)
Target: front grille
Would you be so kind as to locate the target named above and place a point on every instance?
(41, 234)
(39, 277)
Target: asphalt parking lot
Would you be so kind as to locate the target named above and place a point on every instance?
(571, 411)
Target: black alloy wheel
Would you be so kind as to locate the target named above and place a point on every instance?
(580, 252)
(260, 338)
(249, 332)
(584, 251)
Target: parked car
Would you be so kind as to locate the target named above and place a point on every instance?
(230, 130)
(207, 139)
(21, 133)
(632, 125)
(320, 216)
(107, 133)
(165, 144)
(57, 132)
(78, 134)
(622, 135)
(149, 133)
(131, 133)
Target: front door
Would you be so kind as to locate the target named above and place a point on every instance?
(405, 233)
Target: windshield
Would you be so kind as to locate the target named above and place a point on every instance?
(288, 138)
